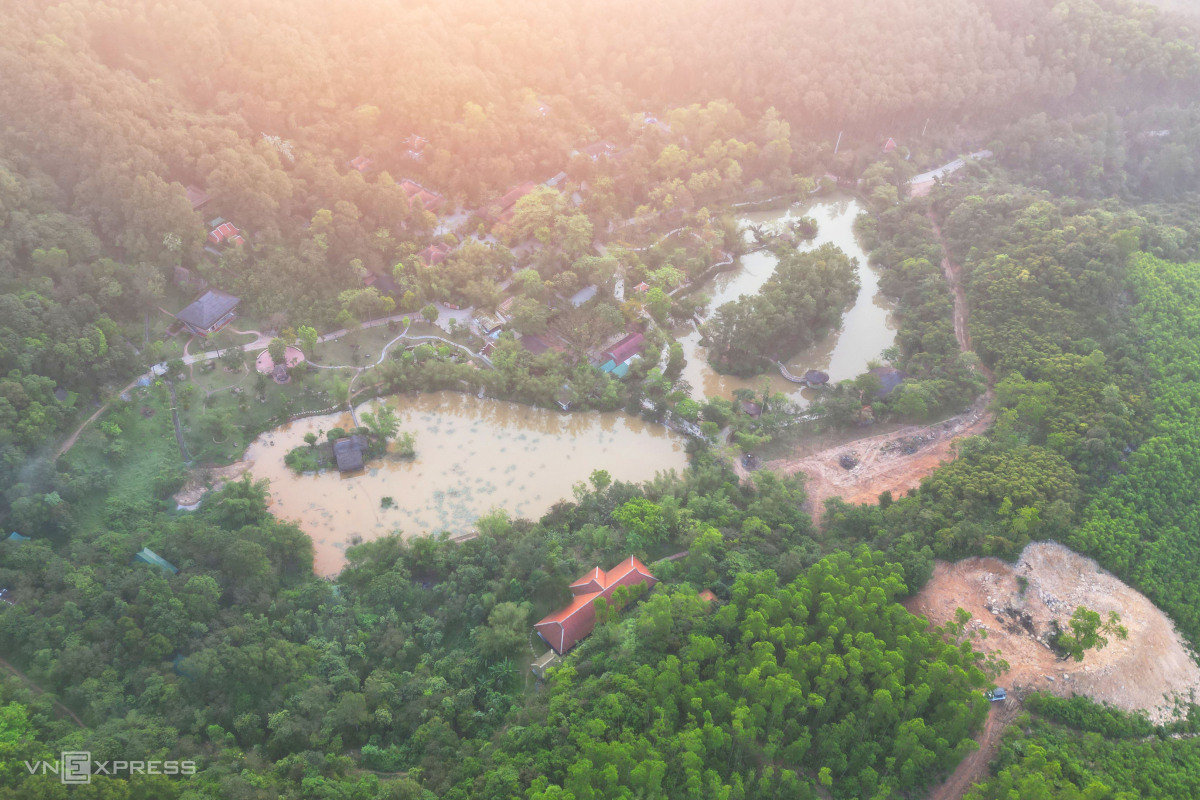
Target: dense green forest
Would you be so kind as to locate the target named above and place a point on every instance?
(307, 124)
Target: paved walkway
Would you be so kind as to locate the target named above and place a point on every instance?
(261, 343)
(949, 169)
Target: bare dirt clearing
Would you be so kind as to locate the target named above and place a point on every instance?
(1146, 672)
(203, 479)
(894, 462)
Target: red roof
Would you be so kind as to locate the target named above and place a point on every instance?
(642, 287)
(563, 629)
(889, 145)
(434, 254)
(503, 209)
(361, 163)
(225, 231)
(623, 350)
(432, 201)
(591, 582)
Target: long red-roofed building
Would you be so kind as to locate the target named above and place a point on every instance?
(504, 209)
(563, 629)
(625, 349)
(431, 201)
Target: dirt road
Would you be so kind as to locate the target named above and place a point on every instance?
(894, 462)
(974, 767)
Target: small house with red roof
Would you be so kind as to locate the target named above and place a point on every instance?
(889, 145)
(434, 254)
(226, 232)
(564, 628)
(361, 163)
(504, 209)
(430, 200)
(625, 349)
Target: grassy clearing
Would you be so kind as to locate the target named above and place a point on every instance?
(135, 459)
(222, 412)
(358, 347)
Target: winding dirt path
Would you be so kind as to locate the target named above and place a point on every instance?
(69, 442)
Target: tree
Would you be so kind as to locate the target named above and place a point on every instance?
(530, 316)
(430, 313)
(232, 358)
(277, 348)
(529, 283)
(366, 304)
(240, 503)
(1088, 632)
(658, 304)
(506, 631)
(383, 422)
(308, 340)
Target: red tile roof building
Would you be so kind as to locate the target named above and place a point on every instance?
(434, 254)
(625, 349)
(226, 232)
(504, 209)
(431, 201)
(889, 145)
(563, 629)
(196, 196)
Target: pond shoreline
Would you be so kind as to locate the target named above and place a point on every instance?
(866, 328)
(473, 455)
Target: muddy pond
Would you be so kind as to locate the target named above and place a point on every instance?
(473, 455)
(867, 328)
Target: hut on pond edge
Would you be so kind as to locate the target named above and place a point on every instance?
(815, 377)
(349, 452)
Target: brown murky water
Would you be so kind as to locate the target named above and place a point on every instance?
(473, 455)
(867, 328)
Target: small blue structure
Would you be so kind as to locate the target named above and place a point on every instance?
(622, 370)
(16, 537)
(608, 366)
(148, 556)
(997, 695)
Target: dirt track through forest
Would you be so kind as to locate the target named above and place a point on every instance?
(973, 768)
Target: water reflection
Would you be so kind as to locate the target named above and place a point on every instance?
(473, 455)
(867, 328)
